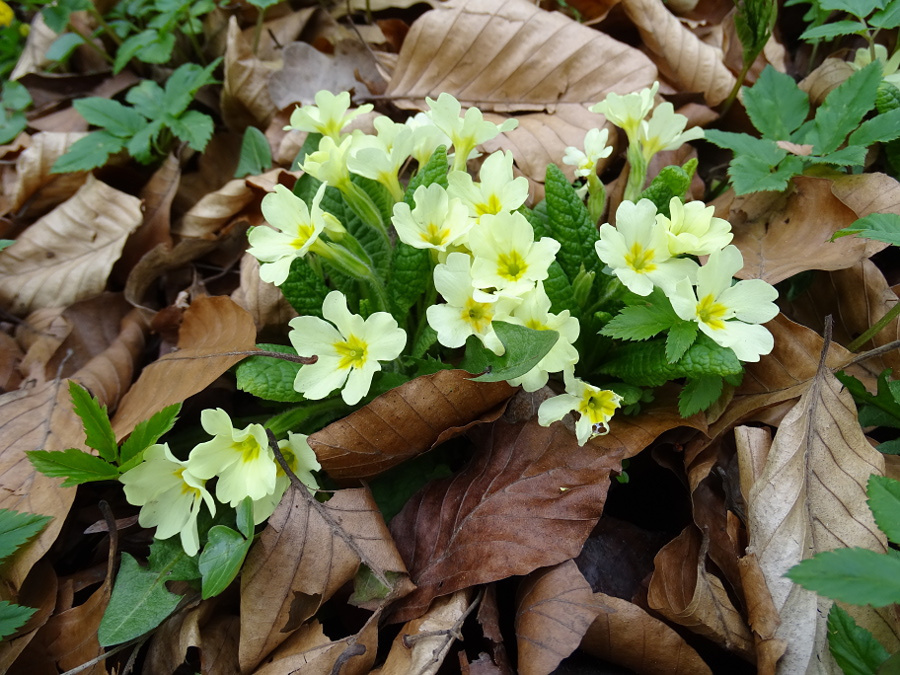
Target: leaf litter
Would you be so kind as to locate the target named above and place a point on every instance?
(137, 286)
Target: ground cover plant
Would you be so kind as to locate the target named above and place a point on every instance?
(393, 337)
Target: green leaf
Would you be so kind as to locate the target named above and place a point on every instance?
(525, 347)
(681, 336)
(56, 15)
(844, 107)
(16, 96)
(698, 394)
(559, 290)
(434, 171)
(256, 155)
(570, 224)
(131, 46)
(888, 96)
(833, 30)
(755, 174)
(148, 432)
(147, 99)
(270, 378)
(159, 50)
(886, 18)
(753, 23)
(426, 338)
(16, 528)
(880, 410)
(855, 575)
(139, 603)
(878, 226)
(167, 558)
(98, 432)
(63, 46)
(142, 145)
(89, 152)
(859, 8)
(649, 316)
(855, 649)
(851, 155)
(746, 144)
(884, 501)
(193, 127)
(11, 125)
(410, 278)
(13, 617)
(672, 181)
(304, 289)
(183, 83)
(221, 559)
(882, 127)
(776, 105)
(75, 465)
(310, 145)
(891, 447)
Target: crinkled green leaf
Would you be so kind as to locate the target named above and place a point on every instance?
(13, 617)
(193, 127)
(878, 226)
(434, 171)
(525, 347)
(304, 288)
(888, 97)
(89, 152)
(270, 378)
(672, 181)
(75, 465)
(698, 394)
(146, 433)
(753, 23)
(139, 603)
(776, 105)
(410, 278)
(884, 501)
(559, 289)
(17, 527)
(855, 649)
(167, 557)
(256, 155)
(570, 224)
(854, 575)
(98, 432)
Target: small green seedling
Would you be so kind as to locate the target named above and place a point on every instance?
(16, 529)
(14, 101)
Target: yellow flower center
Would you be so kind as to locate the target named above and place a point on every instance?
(304, 233)
(534, 324)
(185, 488)
(511, 266)
(640, 259)
(353, 352)
(248, 448)
(435, 235)
(478, 315)
(6, 14)
(598, 405)
(492, 206)
(711, 312)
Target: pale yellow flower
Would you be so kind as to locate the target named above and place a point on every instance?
(328, 117)
(594, 406)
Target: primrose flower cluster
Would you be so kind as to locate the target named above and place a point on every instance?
(172, 492)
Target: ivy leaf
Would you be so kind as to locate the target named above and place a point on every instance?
(776, 105)
(98, 432)
(256, 155)
(698, 394)
(570, 224)
(75, 465)
(16, 528)
(878, 226)
(855, 649)
(270, 378)
(525, 347)
(147, 433)
(884, 501)
(854, 575)
(139, 603)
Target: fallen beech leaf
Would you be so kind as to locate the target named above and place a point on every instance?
(529, 499)
(423, 643)
(811, 497)
(819, 83)
(264, 301)
(213, 329)
(67, 255)
(34, 55)
(761, 615)
(510, 56)
(690, 63)
(215, 210)
(306, 553)
(245, 96)
(159, 260)
(868, 193)
(311, 652)
(39, 591)
(204, 627)
(626, 635)
(683, 591)
(554, 609)
(781, 235)
(35, 185)
(405, 422)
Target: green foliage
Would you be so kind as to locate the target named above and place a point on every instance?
(867, 14)
(855, 649)
(570, 224)
(778, 108)
(304, 289)
(256, 155)
(672, 181)
(147, 129)
(879, 410)
(753, 23)
(878, 226)
(16, 528)
(78, 466)
(270, 378)
(524, 348)
(225, 551)
(699, 393)
(14, 101)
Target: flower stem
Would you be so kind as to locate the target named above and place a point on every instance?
(637, 173)
(876, 328)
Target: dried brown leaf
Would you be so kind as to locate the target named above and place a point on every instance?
(67, 255)
(626, 635)
(405, 422)
(690, 63)
(160, 260)
(213, 329)
(265, 302)
(761, 615)
(683, 591)
(555, 608)
(214, 211)
(245, 97)
(811, 497)
(36, 189)
(306, 553)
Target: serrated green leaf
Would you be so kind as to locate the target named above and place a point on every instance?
(410, 278)
(147, 99)
(672, 181)
(879, 410)
(98, 432)
(881, 128)
(256, 155)
(131, 46)
(698, 394)
(884, 501)
(755, 174)
(183, 83)
(559, 289)
(141, 145)
(304, 289)
(679, 339)
(844, 107)
(570, 224)
(167, 558)
(270, 378)
(524, 348)
(833, 30)
(858, 8)
(75, 465)
(776, 105)
(139, 603)
(753, 23)
(855, 649)
(148, 432)
(886, 18)
(434, 171)
(16, 528)
(745, 144)
(221, 559)
(648, 317)
(878, 226)
(89, 152)
(851, 155)
(13, 617)
(193, 127)
(159, 50)
(855, 575)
